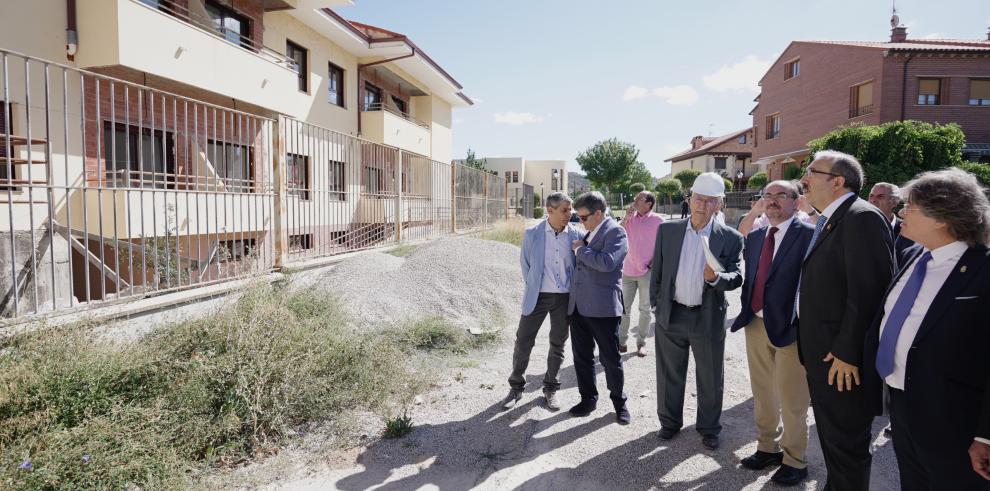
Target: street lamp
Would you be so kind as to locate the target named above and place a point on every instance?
(541, 195)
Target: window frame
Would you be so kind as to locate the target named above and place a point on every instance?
(929, 99)
(340, 102)
(162, 146)
(370, 88)
(295, 187)
(244, 36)
(979, 102)
(337, 180)
(856, 109)
(772, 132)
(789, 69)
(246, 185)
(302, 67)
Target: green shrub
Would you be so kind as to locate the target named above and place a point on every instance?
(793, 172)
(509, 231)
(728, 184)
(398, 426)
(687, 177)
(981, 171)
(757, 181)
(537, 212)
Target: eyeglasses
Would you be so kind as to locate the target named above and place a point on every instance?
(584, 218)
(908, 207)
(810, 171)
(778, 197)
(706, 201)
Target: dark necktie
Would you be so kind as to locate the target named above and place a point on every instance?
(585, 239)
(898, 314)
(763, 270)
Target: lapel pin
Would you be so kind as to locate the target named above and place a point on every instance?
(962, 269)
(828, 227)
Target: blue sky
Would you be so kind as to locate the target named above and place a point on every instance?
(552, 77)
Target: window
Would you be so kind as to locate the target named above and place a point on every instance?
(298, 55)
(336, 181)
(720, 162)
(399, 104)
(515, 176)
(742, 139)
(508, 176)
(979, 92)
(372, 97)
(153, 166)
(792, 69)
(928, 91)
(5, 116)
(232, 163)
(554, 177)
(373, 183)
(860, 100)
(232, 26)
(335, 85)
(297, 174)
(235, 250)
(300, 242)
(773, 128)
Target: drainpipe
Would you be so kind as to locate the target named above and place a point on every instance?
(366, 65)
(904, 84)
(71, 36)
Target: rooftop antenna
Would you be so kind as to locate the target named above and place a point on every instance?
(894, 19)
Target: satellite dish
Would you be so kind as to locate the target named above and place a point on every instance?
(894, 21)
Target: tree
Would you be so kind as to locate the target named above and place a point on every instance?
(728, 184)
(636, 188)
(669, 189)
(608, 164)
(793, 172)
(757, 181)
(896, 151)
(981, 171)
(687, 177)
(638, 174)
(475, 163)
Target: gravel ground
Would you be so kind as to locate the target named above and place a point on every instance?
(463, 440)
(459, 278)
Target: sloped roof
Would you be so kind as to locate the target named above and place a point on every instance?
(711, 143)
(970, 45)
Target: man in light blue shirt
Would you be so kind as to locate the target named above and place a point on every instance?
(547, 263)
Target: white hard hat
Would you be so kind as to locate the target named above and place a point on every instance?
(709, 184)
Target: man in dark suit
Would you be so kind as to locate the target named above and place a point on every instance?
(595, 305)
(929, 342)
(774, 254)
(846, 269)
(884, 196)
(688, 297)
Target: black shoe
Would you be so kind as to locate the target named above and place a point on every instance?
(622, 414)
(762, 460)
(667, 433)
(789, 476)
(583, 408)
(888, 431)
(710, 441)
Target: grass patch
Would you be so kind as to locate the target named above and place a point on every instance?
(398, 426)
(510, 231)
(207, 392)
(436, 334)
(402, 250)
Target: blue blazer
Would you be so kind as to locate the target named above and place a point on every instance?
(531, 259)
(596, 287)
(782, 284)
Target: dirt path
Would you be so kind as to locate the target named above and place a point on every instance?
(463, 440)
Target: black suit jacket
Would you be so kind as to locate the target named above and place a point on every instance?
(842, 285)
(947, 382)
(778, 295)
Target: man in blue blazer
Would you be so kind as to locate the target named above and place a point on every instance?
(774, 254)
(595, 305)
(547, 266)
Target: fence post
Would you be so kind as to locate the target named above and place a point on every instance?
(398, 200)
(453, 198)
(280, 219)
(506, 196)
(484, 182)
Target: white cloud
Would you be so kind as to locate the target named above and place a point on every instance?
(634, 92)
(742, 77)
(512, 117)
(680, 95)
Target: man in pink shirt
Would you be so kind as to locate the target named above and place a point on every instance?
(641, 225)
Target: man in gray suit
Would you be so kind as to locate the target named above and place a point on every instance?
(595, 305)
(688, 297)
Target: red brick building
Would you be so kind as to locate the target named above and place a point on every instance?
(817, 86)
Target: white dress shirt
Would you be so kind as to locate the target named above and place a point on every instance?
(943, 261)
(777, 239)
(595, 231)
(556, 253)
(689, 285)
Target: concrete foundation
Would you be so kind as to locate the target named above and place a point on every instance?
(34, 286)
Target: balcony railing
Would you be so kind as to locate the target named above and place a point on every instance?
(206, 24)
(855, 112)
(378, 106)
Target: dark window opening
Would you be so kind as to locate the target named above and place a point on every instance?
(232, 26)
(399, 104)
(236, 250)
(300, 242)
(336, 181)
(720, 162)
(373, 180)
(153, 166)
(297, 174)
(232, 163)
(372, 97)
(298, 54)
(335, 85)
(792, 69)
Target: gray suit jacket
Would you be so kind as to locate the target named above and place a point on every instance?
(596, 287)
(726, 244)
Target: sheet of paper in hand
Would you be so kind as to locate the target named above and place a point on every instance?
(710, 258)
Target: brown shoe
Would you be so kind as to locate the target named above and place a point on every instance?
(623, 348)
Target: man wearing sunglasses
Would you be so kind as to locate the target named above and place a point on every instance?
(595, 305)
(688, 297)
(845, 272)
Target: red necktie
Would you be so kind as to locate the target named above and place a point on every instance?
(763, 270)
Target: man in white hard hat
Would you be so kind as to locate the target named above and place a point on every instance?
(687, 292)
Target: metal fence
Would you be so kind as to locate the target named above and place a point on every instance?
(115, 191)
